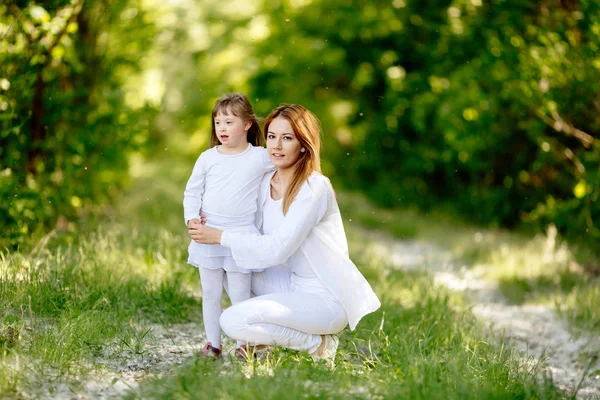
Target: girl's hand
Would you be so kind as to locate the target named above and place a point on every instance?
(203, 218)
(192, 222)
(205, 234)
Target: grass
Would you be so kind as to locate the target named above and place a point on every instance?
(529, 268)
(94, 293)
(422, 344)
(89, 293)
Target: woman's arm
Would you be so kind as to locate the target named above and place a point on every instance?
(262, 251)
(192, 196)
(205, 234)
(253, 251)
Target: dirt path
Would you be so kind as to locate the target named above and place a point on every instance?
(165, 348)
(534, 329)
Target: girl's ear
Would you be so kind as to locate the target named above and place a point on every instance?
(248, 125)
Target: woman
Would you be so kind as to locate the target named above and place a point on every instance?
(302, 227)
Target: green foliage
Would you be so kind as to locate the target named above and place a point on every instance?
(66, 130)
(487, 109)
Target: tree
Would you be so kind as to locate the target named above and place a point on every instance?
(66, 129)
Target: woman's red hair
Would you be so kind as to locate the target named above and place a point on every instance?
(307, 129)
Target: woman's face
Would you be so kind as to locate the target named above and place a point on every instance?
(282, 144)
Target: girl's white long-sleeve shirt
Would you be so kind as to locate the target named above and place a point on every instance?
(225, 186)
(312, 226)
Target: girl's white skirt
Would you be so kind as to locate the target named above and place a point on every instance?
(215, 256)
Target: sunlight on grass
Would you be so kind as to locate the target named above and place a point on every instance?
(528, 268)
(74, 298)
(98, 293)
(544, 269)
(73, 303)
(422, 344)
(582, 306)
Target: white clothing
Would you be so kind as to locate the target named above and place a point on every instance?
(225, 188)
(295, 320)
(226, 185)
(311, 233)
(303, 278)
(272, 214)
(271, 280)
(212, 292)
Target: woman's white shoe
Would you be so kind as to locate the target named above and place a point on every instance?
(327, 349)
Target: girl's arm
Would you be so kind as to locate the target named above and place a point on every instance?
(262, 251)
(192, 196)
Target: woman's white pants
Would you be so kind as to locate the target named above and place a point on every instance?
(281, 316)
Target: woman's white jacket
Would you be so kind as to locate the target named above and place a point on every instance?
(313, 226)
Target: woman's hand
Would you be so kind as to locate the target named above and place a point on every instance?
(205, 234)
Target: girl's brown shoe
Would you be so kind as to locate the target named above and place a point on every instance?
(210, 351)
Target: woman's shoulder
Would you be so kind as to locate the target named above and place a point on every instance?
(318, 179)
(265, 184)
(266, 179)
(317, 184)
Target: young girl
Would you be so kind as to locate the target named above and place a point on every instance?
(224, 185)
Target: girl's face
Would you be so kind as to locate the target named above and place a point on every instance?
(231, 132)
(282, 144)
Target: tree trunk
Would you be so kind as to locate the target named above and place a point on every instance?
(38, 129)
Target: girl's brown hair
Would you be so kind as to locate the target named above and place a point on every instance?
(307, 129)
(238, 105)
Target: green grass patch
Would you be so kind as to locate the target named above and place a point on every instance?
(542, 269)
(422, 344)
(519, 290)
(69, 305)
(538, 268)
(358, 211)
(93, 291)
(582, 306)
